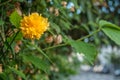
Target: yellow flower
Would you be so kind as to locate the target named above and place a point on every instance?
(33, 26)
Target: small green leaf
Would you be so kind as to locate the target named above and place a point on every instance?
(65, 25)
(15, 19)
(18, 72)
(87, 49)
(56, 27)
(36, 61)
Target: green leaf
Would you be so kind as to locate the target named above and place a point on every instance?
(85, 48)
(36, 61)
(103, 23)
(65, 25)
(111, 30)
(56, 27)
(38, 49)
(113, 34)
(56, 2)
(18, 72)
(15, 19)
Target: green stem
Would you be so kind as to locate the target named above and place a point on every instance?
(2, 26)
(64, 44)
(89, 35)
(12, 41)
(50, 32)
(40, 50)
(5, 2)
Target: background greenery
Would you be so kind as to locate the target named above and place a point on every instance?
(76, 26)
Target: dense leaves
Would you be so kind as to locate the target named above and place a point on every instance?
(39, 63)
(76, 26)
(18, 72)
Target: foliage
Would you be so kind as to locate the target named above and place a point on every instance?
(75, 26)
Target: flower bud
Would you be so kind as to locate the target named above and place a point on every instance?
(9, 33)
(17, 49)
(58, 39)
(1, 68)
(72, 9)
(10, 56)
(56, 12)
(49, 39)
(16, 66)
(51, 68)
(64, 3)
(48, 0)
(19, 42)
(19, 78)
(17, 8)
(56, 69)
(51, 9)
(18, 11)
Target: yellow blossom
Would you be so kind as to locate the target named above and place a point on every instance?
(33, 26)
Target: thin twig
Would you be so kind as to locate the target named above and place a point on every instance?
(64, 44)
(12, 41)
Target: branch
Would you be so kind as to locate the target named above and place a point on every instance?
(64, 44)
